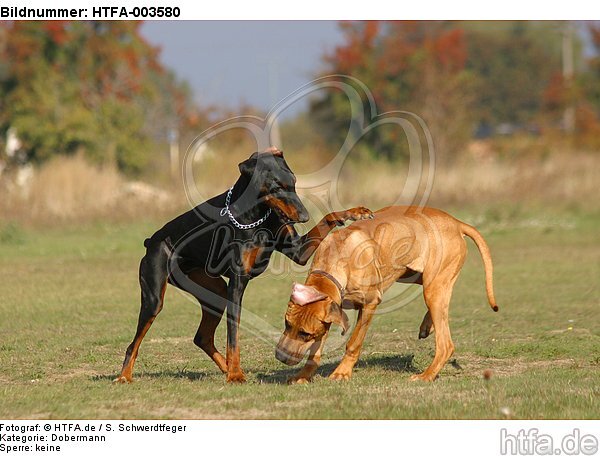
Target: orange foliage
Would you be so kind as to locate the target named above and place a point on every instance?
(360, 40)
(554, 95)
(450, 50)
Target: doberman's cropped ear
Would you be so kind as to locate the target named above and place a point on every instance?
(248, 166)
(275, 151)
(305, 294)
(338, 316)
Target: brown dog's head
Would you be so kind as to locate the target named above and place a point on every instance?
(309, 315)
(275, 183)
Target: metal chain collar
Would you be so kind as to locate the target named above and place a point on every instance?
(225, 211)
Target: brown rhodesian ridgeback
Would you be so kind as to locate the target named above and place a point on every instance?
(353, 267)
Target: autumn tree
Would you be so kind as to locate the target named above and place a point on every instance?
(585, 94)
(90, 87)
(457, 76)
(410, 66)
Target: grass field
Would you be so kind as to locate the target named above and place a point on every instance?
(70, 299)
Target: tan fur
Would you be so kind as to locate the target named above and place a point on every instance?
(403, 243)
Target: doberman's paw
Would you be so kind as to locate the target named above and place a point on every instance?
(356, 213)
(423, 377)
(236, 377)
(340, 375)
(122, 379)
(298, 380)
(360, 213)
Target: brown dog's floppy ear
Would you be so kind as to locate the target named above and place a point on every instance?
(305, 294)
(338, 316)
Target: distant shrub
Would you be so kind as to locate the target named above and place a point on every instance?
(12, 234)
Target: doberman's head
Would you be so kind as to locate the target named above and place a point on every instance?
(276, 184)
(309, 316)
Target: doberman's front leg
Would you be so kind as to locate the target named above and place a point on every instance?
(235, 293)
(300, 248)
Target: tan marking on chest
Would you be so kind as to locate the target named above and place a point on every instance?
(249, 258)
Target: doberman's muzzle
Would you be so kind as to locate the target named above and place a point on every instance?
(288, 206)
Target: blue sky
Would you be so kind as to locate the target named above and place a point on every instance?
(231, 62)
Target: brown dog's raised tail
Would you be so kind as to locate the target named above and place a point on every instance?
(487, 261)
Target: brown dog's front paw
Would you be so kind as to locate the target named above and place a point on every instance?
(122, 379)
(236, 377)
(340, 376)
(423, 377)
(298, 380)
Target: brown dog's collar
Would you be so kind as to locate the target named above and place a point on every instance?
(332, 279)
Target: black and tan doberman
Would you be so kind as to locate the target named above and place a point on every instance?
(229, 236)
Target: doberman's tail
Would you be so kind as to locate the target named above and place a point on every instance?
(487, 261)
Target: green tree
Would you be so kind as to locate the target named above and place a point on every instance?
(514, 62)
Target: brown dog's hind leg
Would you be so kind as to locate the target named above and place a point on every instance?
(153, 283)
(437, 297)
(426, 327)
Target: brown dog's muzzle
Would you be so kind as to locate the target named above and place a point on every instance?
(289, 351)
(286, 358)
